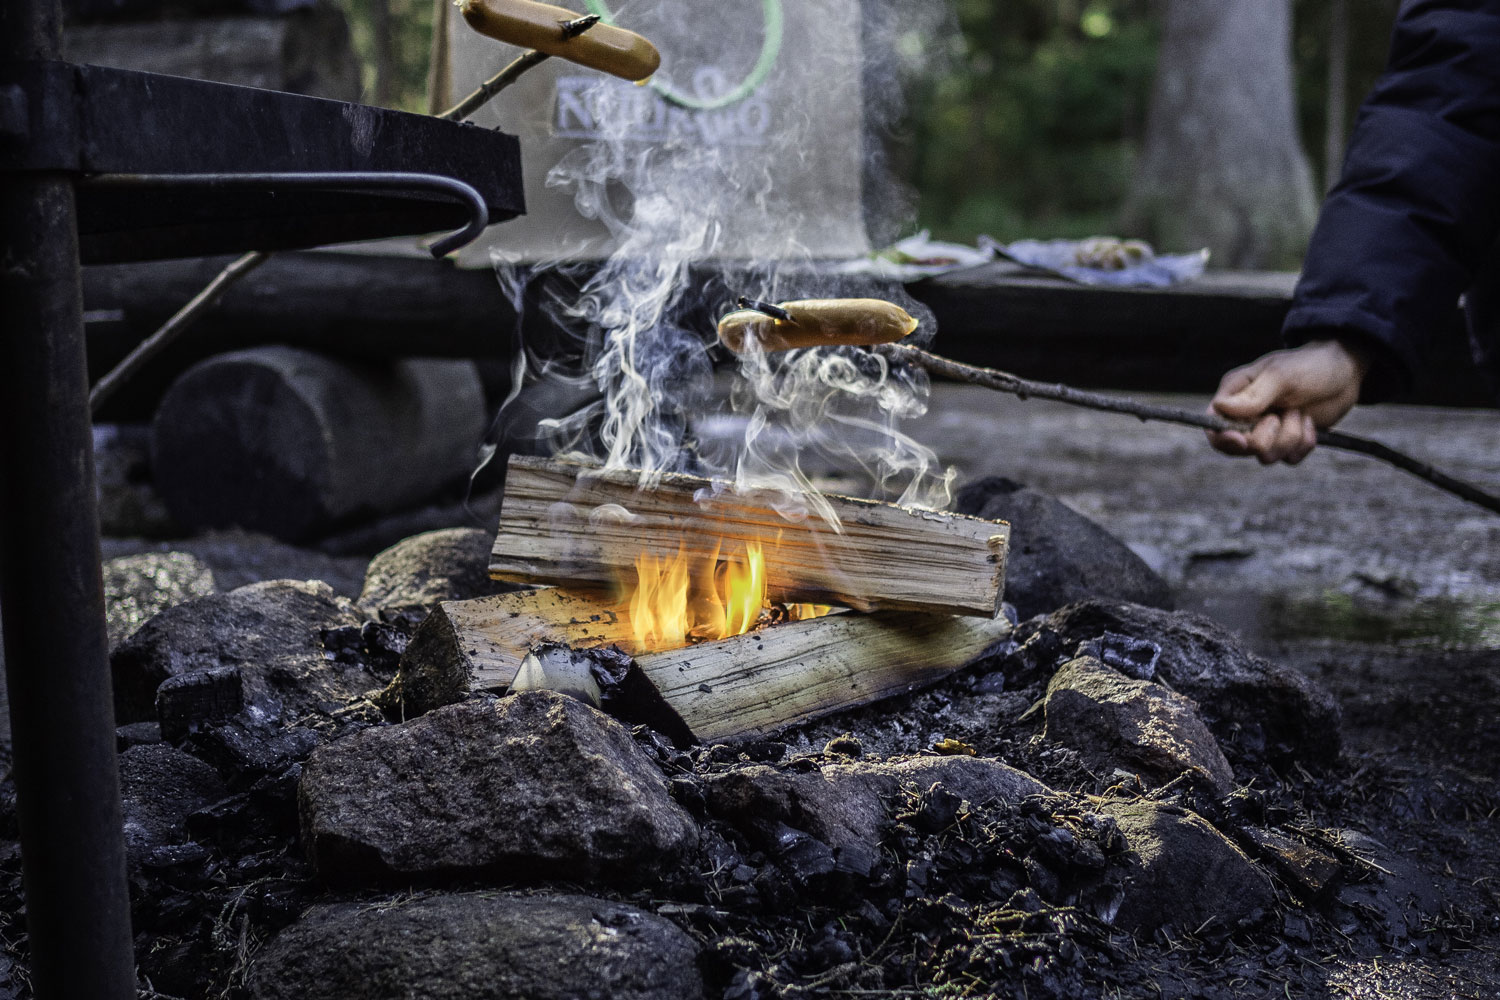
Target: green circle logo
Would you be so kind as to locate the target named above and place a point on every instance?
(770, 49)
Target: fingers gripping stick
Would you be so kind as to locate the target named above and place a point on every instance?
(544, 28)
(758, 326)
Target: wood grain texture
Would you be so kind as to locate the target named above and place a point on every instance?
(754, 683)
(763, 681)
(579, 527)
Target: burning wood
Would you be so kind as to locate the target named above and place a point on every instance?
(676, 611)
(747, 684)
(579, 527)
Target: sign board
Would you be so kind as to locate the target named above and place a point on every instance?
(754, 122)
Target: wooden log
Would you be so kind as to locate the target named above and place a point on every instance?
(293, 444)
(730, 689)
(580, 527)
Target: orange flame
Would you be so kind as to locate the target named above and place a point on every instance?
(673, 602)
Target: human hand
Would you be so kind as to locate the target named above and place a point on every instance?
(1287, 396)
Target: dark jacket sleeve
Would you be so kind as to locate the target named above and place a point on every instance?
(1418, 203)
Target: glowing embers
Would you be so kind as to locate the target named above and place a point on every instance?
(687, 598)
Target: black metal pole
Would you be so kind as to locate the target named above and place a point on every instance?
(51, 592)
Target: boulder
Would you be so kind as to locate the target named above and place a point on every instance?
(1116, 721)
(418, 572)
(980, 780)
(849, 806)
(159, 788)
(137, 587)
(526, 787)
(1058, 556)
(1181, 871)
(1248, 702)
(271, 631)
(479, 946)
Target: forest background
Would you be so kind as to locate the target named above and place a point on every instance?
(1030, 118)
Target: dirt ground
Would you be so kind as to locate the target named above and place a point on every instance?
(1385, 589)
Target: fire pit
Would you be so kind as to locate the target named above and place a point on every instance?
(704, 605)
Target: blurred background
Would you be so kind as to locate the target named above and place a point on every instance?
(1019, 118)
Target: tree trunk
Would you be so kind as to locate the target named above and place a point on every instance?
(1222, 166)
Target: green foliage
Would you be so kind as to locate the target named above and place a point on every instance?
(1033, 127)
(411, 44)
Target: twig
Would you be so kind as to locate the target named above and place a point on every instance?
(1024, 388)
(241, 266)
(172, 328)
(492, 87)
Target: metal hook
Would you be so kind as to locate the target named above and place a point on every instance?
(479, 213)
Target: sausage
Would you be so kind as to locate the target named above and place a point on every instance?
(817, 323)
(533, 25)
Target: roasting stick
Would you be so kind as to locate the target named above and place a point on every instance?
(802, 325)
(236, 269)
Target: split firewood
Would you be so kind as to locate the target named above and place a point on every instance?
(581, 527)
(728, 689)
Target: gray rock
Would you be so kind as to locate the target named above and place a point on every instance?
(448, 565)
(474, 946)
(137, 587)
(849, 806)
(1116, 721)
(239, 557)
(271, 631)
(1181, 871)
(981, 780)
(1248, 702)
(531, 786)
(1058, 556)
(159, 787)
(846, 806)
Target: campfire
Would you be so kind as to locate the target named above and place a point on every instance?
(702, 596)
(716, 605)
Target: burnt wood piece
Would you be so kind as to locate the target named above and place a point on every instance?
(1179, 339)
(578, 526)
(733, 688)
(185, 702)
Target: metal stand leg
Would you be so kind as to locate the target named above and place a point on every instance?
(51, 593)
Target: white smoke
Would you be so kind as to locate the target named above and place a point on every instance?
(641, 323)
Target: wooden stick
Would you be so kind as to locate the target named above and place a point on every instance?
(173, 327)
(578, 526)
(992, 378)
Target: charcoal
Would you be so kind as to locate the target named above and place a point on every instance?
(187, 702)
(250, 751)
(135, 734)
(938, 808)
(802, 856)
